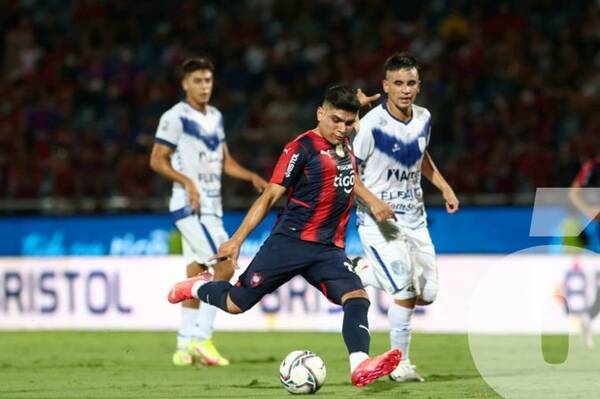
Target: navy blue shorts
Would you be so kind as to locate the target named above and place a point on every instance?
(281, 257)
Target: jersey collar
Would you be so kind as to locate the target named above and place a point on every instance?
(412, 113)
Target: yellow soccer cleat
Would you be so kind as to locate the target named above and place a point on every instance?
(182, 358)
(206, 353)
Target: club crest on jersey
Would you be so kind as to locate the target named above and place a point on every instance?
(165, 126)
(256, 280)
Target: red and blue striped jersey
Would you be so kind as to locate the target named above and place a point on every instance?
(319, 178)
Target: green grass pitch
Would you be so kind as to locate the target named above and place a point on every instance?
(138, 365)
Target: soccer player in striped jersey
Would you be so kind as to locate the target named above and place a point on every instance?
(391, 148)
(316, 172)
(190, 150)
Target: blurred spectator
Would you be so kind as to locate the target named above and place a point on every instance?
(514, 85)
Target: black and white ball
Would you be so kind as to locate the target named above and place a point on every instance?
(302, 372)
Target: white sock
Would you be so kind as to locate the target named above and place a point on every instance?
(357, 358)
(400, 329)
(195, 287)
(205, 321)
(187, 326)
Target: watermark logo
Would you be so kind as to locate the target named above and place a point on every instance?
(510, 313)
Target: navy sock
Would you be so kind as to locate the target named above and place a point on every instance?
(215, 293)
(356, 325)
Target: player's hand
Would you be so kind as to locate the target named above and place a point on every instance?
(259, 183)
(229, 250)
(193, 195)
(363, 99)
(381, 210)
(452, 203)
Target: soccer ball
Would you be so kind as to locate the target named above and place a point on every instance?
(302, 372)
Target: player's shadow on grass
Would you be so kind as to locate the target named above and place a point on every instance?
(450, 377)
(255, 360)
(380, 386)
(256, 384)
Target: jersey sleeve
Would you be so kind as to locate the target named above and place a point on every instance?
(291, 162)
(169, 130)
(221, 129)
(428, 127)
(363, 144)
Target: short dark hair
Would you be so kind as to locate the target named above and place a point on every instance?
(194, 64)
(342, 97)
(399, 60)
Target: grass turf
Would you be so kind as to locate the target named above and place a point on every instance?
(67, 364)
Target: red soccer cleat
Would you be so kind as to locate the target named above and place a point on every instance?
(183, 290)
(376, 367)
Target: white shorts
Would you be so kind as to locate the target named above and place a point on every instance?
(201, 237)
(402, 262)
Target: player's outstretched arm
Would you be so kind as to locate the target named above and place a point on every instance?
(160, 162)
(379, 208)
(576, 197)
(257, 212)
(432, 173)
(232, 168)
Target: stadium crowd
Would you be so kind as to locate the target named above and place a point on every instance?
(513, 86)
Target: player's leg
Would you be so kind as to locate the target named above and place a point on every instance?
(425, 277)
(277, 261)
(424, 260)
(202, 344)
(367, 269)
(189, 314)
(390, 262)
(332, 276)
(199, 243)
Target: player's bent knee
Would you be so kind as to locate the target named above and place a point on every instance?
(407, 303)
(232, 307)
(354, 294)
(427, 297)
(422, 302)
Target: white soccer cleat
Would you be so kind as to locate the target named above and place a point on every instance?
(404, 372)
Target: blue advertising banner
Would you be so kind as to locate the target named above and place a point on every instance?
(495, 230)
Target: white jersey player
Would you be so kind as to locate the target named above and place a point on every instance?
(392, 145)
(190, 150)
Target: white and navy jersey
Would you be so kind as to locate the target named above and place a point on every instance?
(198, 140)
(390, 152)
